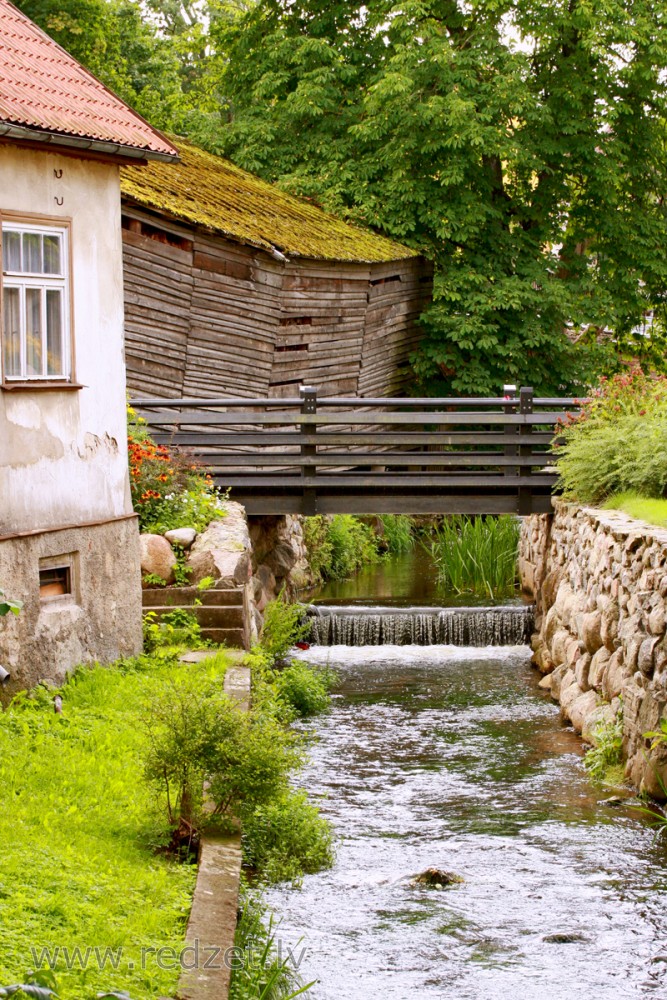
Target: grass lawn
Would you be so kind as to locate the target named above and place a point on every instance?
(653, 511)
(78, 829)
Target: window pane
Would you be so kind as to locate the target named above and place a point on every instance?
(55, 360)
(33, 332)
(32, 253)
(11, 251)
(11, 331)
(52, 255)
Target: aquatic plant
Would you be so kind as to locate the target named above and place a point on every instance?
(604, 761)
(477, 554)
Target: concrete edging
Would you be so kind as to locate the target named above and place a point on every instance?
(212, 925)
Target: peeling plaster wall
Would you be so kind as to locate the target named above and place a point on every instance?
(600, 582)
(63, 454)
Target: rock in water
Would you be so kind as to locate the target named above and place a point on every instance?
(436, 878)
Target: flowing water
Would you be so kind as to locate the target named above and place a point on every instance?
(438, 756)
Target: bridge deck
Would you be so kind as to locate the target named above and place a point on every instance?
(363, 456)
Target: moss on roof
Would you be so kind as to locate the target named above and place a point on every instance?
(211, 192)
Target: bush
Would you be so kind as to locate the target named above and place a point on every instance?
(284, 625)
(339, 546)
(619, 442)
(197, 734)
(286, 838)
(477, 554)
(175, 628)
(303, 688)
(168, 489)
(604, 761)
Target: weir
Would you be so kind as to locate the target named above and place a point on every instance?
(333, 625)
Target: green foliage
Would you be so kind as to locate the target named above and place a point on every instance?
(284, 625)
(397, 533)
(618, 443)
(304, 688)
(197, 734)
(262, 973)
(7, 606)
(652, 511)
(286, 838)
(477, 554)
(168, 489)
(340, 545)
(604, 761)
(79, 826)
(520, 145)
(175, 628)
(153, 580)
(182, 572)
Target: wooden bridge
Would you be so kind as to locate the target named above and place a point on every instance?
(370, 456)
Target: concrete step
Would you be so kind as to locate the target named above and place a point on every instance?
(180, 597)
(230, 636)
(220, 617)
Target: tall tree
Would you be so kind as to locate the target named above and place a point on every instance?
(520, 144)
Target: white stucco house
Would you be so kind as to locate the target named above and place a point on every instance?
(68, 536)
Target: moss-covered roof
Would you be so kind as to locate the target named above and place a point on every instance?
(211, 192)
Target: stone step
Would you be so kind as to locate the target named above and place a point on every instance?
(178, 597)
(229, 636)
(220, 617)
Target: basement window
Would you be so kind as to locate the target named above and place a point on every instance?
(56, 578)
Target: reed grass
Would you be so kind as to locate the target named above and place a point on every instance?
(477, 554)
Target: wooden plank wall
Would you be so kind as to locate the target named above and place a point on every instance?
(207, 316)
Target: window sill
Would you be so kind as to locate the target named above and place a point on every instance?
(41, 386)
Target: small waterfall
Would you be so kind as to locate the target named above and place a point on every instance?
(376, 626)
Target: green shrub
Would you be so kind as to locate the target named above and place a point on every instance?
(340, 545)
(477, 554)
(304, 688)
(196, 734)
(286, 838)
(284, 625)
(618, 443)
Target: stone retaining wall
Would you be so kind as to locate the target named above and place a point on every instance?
(600, 583)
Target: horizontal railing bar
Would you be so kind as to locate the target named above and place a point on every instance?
(288, 438)
(412, 403)
(322, 481)
(216, 460)
(323, 419)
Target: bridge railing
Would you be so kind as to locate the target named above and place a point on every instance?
(311, 454)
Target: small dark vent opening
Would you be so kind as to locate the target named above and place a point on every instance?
(297, 321)
(156, 234)
(385, 281)
(282, 348)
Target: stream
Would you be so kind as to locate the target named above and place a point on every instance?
(452, 757)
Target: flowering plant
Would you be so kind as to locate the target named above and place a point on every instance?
(168, 489)
(618, 442)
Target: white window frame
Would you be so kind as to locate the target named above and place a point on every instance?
(24, 280)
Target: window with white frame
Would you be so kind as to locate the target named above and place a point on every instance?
(35, 302)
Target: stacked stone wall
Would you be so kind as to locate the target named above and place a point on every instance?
(600, 583)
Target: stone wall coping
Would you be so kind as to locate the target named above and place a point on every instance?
(620, 523)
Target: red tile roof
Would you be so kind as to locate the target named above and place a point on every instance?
(44, 89)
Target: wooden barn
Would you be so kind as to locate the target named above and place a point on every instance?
(233, 287)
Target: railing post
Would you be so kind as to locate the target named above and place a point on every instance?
(510, 450)
(526, 399)
(308, 394)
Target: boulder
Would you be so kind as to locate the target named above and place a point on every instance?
(181, 537)
(157, 557)
(583, 708)
(223, 550)
(281, 559)
(598, 666)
